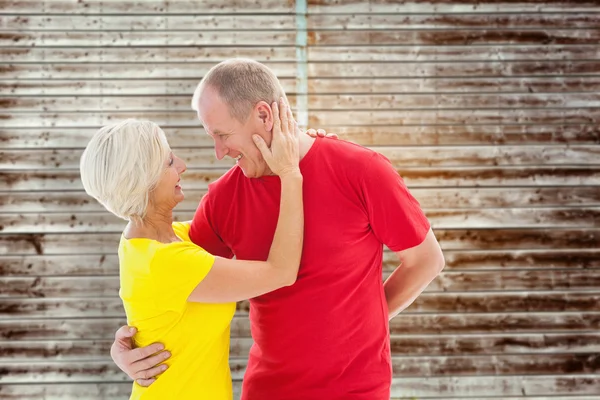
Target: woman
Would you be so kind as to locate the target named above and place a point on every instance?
(172, 290)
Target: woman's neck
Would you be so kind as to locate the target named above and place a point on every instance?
(155, 226)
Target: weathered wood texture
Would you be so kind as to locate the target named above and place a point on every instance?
(488, 109)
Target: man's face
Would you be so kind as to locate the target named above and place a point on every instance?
(231, 137)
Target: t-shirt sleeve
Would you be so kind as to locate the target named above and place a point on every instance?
(394, 214)
(203, 232)
(176, 270)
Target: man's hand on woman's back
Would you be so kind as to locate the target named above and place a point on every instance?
(141, 364)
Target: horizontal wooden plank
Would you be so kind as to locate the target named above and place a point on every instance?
(428, 54)
(160, 7)
(409, 53)
(439, 84)
(440, 303)
(432, 387)
(501, 325)
(436, 37)
(537, 218)
(447, 6)
(90, 350)
(472, 281)
(491, 69)
(195, 70)
(431, 366)
(124, 70)
(465, 198)
(51, 180)
(315, 102)
(71, 180)
(425, 135)
(364, 85)
(79, 371)
(161, 38)
(314, 21)
(553, 345)
(463, 134)
(337, 118)
(329, 119)
(434, 19)
(165, 22)
(171, 54)
(501, 263)
(155, 87)
(455, 239)
(429, 156)
(427, 101)
(141, 103)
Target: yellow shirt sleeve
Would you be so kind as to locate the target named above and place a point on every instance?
(177, 269)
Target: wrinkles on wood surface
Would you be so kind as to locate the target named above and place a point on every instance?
(165, 22)
(389, 53)
(428, 19)
(498, 325)
(451, 239)
(315, 21)
(562, 348)
(131, 7)
(430, 199)
(448, 6)
(331, 120)
(452, 37)
(357, 85)
(171, 54)
(51, 180)
(507, 263)
(411, 136)
(422, 156)
(446, 282)
(441, 219)
(128, 70)
(440, 303)
(150, 38)
(508, 387)
(430, 366)
(413, 70)
(315, 102)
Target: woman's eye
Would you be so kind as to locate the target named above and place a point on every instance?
(170, 162)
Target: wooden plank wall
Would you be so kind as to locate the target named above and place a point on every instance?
(489, 109)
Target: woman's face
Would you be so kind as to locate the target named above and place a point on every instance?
(168, 192)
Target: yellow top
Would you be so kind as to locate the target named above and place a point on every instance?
(156, 280)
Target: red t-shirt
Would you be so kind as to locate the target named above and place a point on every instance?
(326, 336)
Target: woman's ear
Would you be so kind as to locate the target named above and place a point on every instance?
(265, 114)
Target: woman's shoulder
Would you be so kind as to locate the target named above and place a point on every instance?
(182, 230)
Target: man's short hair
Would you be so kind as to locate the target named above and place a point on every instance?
(241, 83)
(122, 164)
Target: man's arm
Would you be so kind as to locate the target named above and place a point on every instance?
(141, 365)
(419, 266)
(398, 222)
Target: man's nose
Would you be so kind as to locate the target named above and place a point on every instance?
(220, 150)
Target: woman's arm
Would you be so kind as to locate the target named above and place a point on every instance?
(234, 280)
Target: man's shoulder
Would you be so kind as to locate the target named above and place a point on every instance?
(346, 152)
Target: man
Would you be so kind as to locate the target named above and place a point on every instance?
(326, 336)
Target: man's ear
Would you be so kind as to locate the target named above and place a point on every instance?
(265, 114)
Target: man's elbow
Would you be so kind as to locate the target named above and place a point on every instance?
(439, 262)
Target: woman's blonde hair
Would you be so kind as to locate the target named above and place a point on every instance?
(122, 164)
